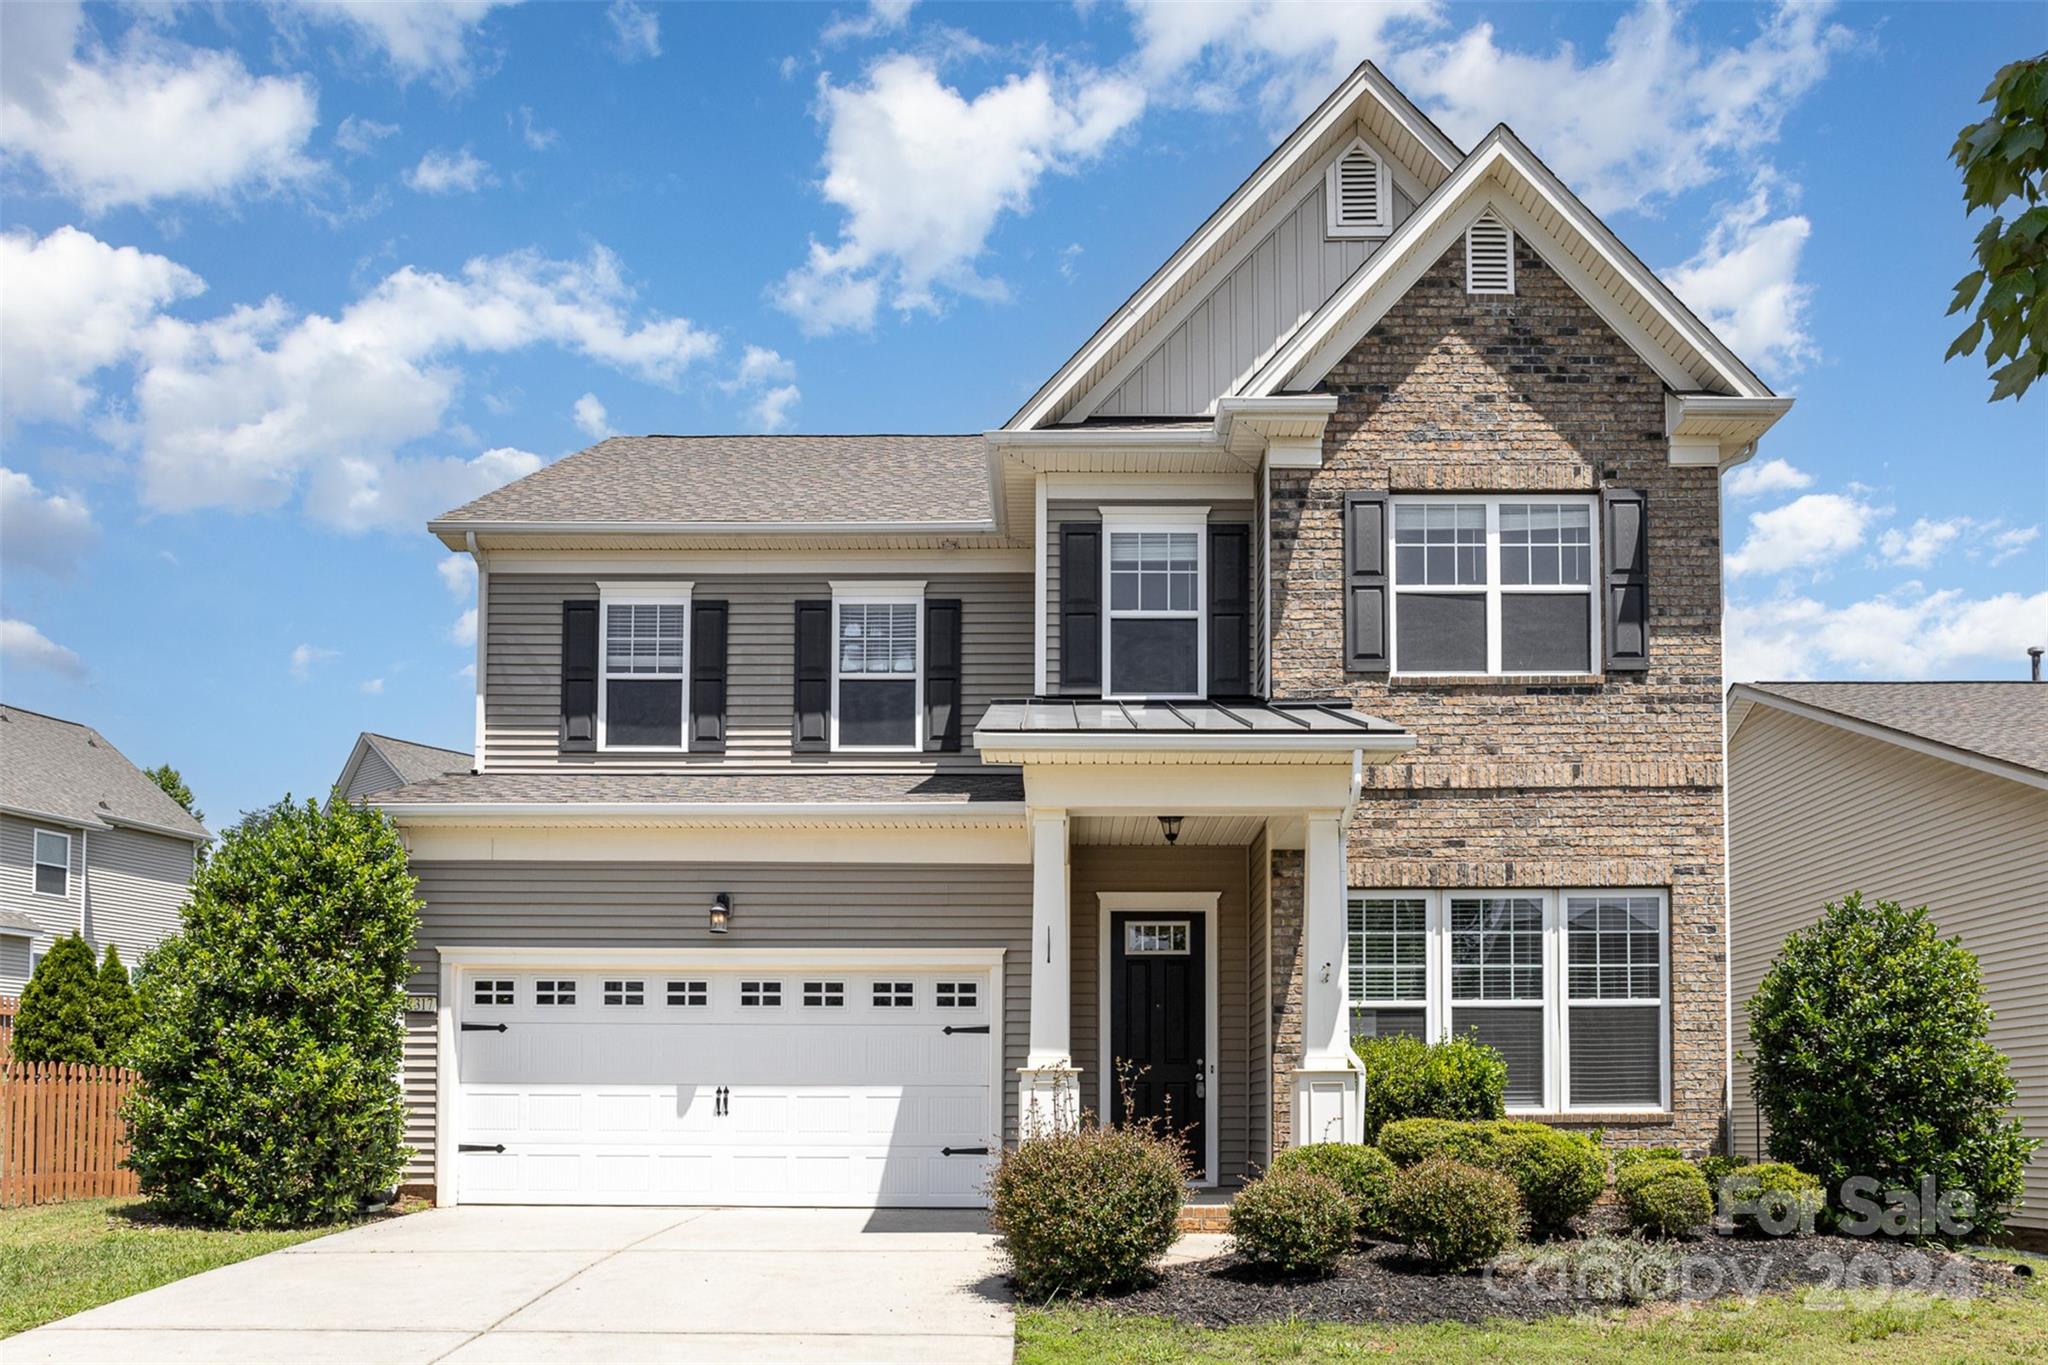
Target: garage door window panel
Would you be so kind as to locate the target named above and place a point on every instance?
(689, 994)
(554, 992)
(824, 994)
(760, 994)
(625, 992)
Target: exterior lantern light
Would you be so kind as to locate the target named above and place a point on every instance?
(1169, 825)
(721, 912)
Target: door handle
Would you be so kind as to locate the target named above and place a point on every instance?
(1201, 1080)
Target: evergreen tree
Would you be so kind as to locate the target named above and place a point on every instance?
(55, 1021)
(118, 1014)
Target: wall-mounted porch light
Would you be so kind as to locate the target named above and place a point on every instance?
(1169, 825)
(721, 912)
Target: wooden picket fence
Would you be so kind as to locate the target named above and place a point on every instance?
(8, 1005)
(61, 1135)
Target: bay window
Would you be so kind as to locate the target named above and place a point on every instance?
(1493, 585)
(1153, 641)
(645, 629)
(877, 666)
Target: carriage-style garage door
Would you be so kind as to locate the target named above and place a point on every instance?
(814, 1085)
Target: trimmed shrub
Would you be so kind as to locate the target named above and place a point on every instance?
(1871, 1057)
(116, 1015)
(1665, 1197)
(1458, 1215)
(1413, 1141)
(1771, 1198)
(1293, 1222)
(58, 1017)
(1365, 1174)
(1560, 1174)
(1625, 1157)
(1087, 1210)
(1406, 1078)
(1717, 1168)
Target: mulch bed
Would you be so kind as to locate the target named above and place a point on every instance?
(1384, 1284)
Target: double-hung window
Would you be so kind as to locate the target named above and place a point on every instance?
(646, 634)
(1571, 986)
(1494, 585)
(53, 863)
(878, 666)
(1155, 571)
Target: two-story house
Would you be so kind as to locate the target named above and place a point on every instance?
(1332, 645)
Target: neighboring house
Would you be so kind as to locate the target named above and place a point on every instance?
(378, 763)
(1332, 643)
(1924, 793)
(88, 845)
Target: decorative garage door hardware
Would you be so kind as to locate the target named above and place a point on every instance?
(963, 1151)
(483, 1028)
(951, 1029)
(480, 1147)
(722, 1101)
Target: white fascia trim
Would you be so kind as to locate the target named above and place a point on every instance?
(984, 526)
(1196, 747)
(1230, 410)
(597, 563)
(1153, 514)
(645, 590)
(1742, 693)
(433, 812)
(877, 589)
(484, 955)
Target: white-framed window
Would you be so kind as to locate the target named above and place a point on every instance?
(52, 863)
(1498, 585)
(689, 994)
(760, 994)
(491, 991)
(1156, 938)
(956, 995)
(625, 992)
(1359, 193)
(894, 995)
(878, 667)
(829, 995)
(643, 664)
(1571, 985)
(554, 991)
(1155, 581)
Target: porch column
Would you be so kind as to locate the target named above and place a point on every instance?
(1049, 1086)
(1329, 1090)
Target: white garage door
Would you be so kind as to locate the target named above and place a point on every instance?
(821, 1085)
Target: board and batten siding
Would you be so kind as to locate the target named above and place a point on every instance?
(663, 906)
(138, 883)
(1815, 812)
(522, 700)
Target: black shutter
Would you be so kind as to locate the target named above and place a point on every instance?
(942, 675)
(707, 677)
(579, 677)
(1365, 582)
(1625, 527)
(1230, 611)
(813, 720)
(1080, 607)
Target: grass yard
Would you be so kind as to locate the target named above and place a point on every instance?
(2009, 1327)
(60, 1259)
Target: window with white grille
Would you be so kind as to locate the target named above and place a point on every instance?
(893, 995)
(625, 992)
(493, 992)
(955, 995)
(693, 994)
(646, 639)
(824, 994)
(877, 666)
(1489, 256)
(1360, 197)
(53, 863)
(556, 992)
(760, 994)
(1156, 938)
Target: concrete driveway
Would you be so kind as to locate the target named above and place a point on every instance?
(478, 1284)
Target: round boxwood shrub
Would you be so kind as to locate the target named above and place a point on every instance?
(1087, 1210)
(1412, 1141)
(1772, 1198)
(1666, 1197)
(1406, 1078)
(1559, 1174)
(1365, 1174)
(1293, 1222)
(1458, 1215)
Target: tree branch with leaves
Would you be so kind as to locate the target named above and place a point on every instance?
(2004, 157)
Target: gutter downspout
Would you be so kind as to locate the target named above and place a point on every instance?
(483, 591)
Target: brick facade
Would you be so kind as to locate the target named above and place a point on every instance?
(1571, 781)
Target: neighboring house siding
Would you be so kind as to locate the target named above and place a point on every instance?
(372, 775)
(662, 905)
(1218, 869)
(1815, 812)
(14, 950)
(139, 881)
(1258, 1000)
(54, 916)
(523, 696)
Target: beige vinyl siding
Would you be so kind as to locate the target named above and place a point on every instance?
(138, 883)
(420, 1080)
(522, 716)
(1218, 869)
(372, 775)
(14, 950)
(1815, 812)
(1258, 1001)
(663, 905)
(53, 915)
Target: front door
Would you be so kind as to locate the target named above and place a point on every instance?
(1158, 1023)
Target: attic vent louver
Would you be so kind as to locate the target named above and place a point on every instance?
(1359, 193)
(1489, 256)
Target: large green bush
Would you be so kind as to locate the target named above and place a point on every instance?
(1770, 1197)
(1406, 1078)
(1625, 1157)
(271, 1034)
(115, 1013)
(1458, 1215)
(1293, 1222)
(1559, 1174)
(1412, 1141)
(1365, 1174)
(1664, 1196)
(58, 1017)
(1087, 1210)
(1870, 1057)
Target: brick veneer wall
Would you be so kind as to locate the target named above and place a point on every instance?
(1573, 781)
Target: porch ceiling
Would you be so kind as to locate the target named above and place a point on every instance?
(1142, 831)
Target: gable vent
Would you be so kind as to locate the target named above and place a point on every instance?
(1489, 256)
(1358, 193)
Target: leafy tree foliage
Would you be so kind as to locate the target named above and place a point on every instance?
(271, 1033)
(2004, 157)
(1872, 1059)
(57, 1018)
(165, 776)
(116, 1015)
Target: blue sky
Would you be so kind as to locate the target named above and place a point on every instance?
(280, 282)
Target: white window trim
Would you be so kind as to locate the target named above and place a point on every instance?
(870, 593)
(1493, 588)
(1383, 212)
(670, 593)
(36, 862)
(1433, 946)
(1193, 520)
(1557, 1003)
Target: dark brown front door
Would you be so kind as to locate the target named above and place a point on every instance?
(1158, 1022)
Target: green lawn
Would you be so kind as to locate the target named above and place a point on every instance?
(1908, 1327)
(59, 1259)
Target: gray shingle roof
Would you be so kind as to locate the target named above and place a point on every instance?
(418, 762)
(68, 772)
(742, 480)
(2002, 720)
(819, 786)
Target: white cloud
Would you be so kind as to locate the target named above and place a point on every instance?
(461, 172)
(38, 530)
(371, 687)
(1805, 533)
(1908, 634)
(72, 306)
(23, 646)
(770, 411)
(418, 37)
(155, 120)
(355, 136)
(463, 632)
(2006, 544)
(1923, 543)
(923, 172)
(1743, 281)
(1770, 476)
(305, 658)
(591, 418)
(537, 138)
(760, 365)
(768, 380)
(458, 574)
(357, 492)
(881, 16)
(636, 31)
